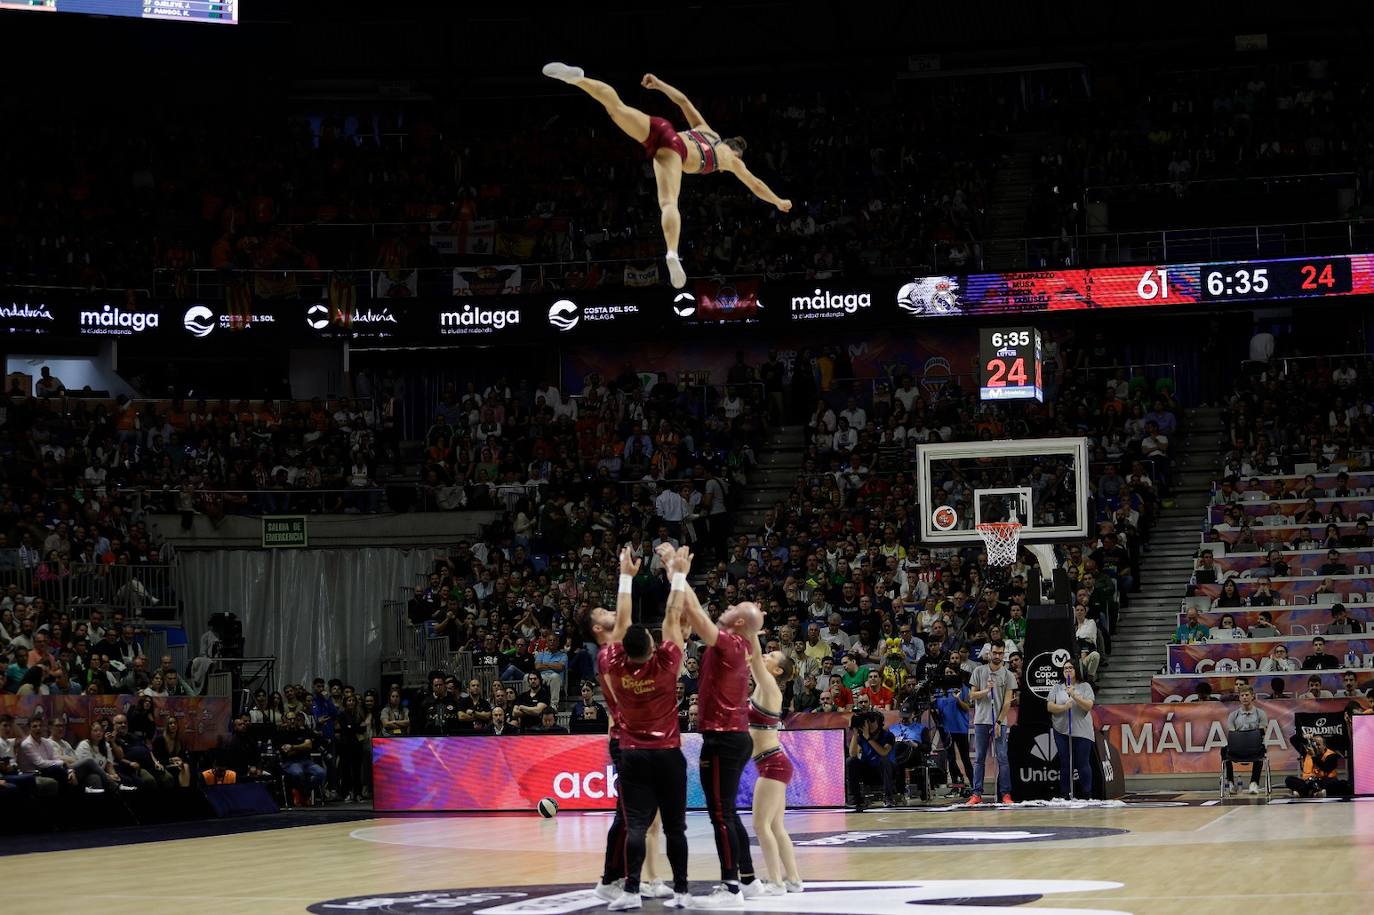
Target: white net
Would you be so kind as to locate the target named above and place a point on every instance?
(1001, 540)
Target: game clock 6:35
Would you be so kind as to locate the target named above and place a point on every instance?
(1275, 279)
(1009, 364)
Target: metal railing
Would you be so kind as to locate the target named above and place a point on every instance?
(207, 284)
(361, 499)
(1162, 246)
(137, 590)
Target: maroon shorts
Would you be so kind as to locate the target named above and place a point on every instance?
(774, 764)
(663, 136)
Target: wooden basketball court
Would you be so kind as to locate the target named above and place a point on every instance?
(1235, 857)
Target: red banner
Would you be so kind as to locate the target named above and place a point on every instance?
(204, 719)
(1168, 738)
(1186, 738)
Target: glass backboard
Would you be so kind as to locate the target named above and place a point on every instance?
(1041, 483)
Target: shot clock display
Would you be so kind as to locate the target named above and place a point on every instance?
(1009, 364)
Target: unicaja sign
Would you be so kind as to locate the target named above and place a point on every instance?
(567, 785)
(111, 319)
(826, 301)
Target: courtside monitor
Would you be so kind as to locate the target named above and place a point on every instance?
(1041, 484)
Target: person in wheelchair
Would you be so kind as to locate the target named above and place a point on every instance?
(913, 746)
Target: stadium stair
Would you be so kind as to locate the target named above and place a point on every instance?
(1010, 205)
(780, 462)
(1149, 622)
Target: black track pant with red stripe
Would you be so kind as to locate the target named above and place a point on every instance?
(724, 755)
(654, 780)
(614, 868)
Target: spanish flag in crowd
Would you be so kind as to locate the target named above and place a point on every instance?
(238, 296)
(343, 299)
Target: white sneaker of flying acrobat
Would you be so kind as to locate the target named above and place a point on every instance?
(564, 72)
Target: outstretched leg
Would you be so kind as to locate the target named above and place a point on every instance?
(668, 177)
(634, 122)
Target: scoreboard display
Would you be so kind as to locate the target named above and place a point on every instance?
(1009, 366)
(223, 12)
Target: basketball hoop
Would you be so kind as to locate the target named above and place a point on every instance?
(1001, 538)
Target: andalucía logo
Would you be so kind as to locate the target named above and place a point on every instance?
(838, 897)
(318, 316)
(26, 311)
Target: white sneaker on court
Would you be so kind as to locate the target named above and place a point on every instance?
(1254, 788)
(609, 891)
(773, 889)
(794, 886)
(676, 274)
(564, 72)
(750, 890)
(625, 902)
(720, 898)
(655, 889)
(678, 901)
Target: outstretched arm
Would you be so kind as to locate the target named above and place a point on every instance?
(735, 165)
(697, 619)
(674, 629)
(769, 690)
(676, 96)
(624, 600)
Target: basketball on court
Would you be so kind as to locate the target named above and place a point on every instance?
(548, 808)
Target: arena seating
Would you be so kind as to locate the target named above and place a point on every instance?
(1286, 535)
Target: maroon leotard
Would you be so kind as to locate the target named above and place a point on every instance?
(774, 764)
(612, 706)
(646, 695)
(762, 719)
(663, 136)
(723, 699)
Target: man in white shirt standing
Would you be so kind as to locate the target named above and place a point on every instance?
(671, 509)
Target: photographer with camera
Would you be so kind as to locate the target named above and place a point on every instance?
(871, 751)
(1320, 766)
(952, 705)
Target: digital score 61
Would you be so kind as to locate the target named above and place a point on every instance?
(1009, 365)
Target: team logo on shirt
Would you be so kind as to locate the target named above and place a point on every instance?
(638, 686)
(838, 897)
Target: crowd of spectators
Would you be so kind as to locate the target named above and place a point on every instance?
(870, 617)
(875, 182)
(1157, 138)
(67, 457)
(1294, 445)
